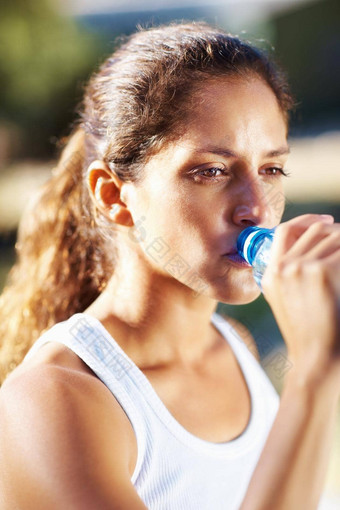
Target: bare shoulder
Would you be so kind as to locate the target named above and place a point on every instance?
(245, 334)
(63, 436)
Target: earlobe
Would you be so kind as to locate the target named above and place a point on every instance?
(113, 211)
(120, 215)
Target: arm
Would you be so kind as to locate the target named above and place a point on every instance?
(290, 474)
(302, 286)
(63, 444)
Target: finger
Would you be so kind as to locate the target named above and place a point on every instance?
(319, 240)
(288, 233)
(305, 220)
(328, 246)
(333, 261)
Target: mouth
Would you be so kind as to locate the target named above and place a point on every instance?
(236, 259)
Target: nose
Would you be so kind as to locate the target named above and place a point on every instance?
(250, 206)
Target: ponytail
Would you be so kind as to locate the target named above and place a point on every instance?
(61, 259)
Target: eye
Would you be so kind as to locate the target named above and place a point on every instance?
(274, 171)
(209, 174)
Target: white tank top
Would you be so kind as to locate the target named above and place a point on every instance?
(175, 469)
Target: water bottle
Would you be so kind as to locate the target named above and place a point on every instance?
(253, 244)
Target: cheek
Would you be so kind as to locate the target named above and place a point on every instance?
(276, 202)
(196, 214)
(181, 219)
(182, 226)
(159, 218)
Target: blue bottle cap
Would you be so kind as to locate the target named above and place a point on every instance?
(249, 240)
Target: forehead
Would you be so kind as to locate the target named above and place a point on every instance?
(237, 111)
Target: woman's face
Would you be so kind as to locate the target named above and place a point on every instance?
(222, 175)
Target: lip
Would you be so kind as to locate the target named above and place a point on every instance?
(236, 259)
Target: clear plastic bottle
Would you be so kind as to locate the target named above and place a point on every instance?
(253, 244)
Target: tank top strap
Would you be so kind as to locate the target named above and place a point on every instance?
(251, 367)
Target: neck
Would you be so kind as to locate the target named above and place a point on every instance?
(155, 318)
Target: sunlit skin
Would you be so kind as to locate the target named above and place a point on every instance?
(196, 195)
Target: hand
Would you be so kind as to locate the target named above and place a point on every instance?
(302, 286)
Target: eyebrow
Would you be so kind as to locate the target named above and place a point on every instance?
(231, 154)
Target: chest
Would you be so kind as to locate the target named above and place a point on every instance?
(212, 403)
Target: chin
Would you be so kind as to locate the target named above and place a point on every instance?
(244, 300)
(240, 293)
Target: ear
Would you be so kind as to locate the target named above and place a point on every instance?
(105, 191)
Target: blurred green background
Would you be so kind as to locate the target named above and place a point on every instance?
(48, 51)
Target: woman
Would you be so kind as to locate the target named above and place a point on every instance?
(127, 250)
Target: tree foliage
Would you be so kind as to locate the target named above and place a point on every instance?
(44, 57)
